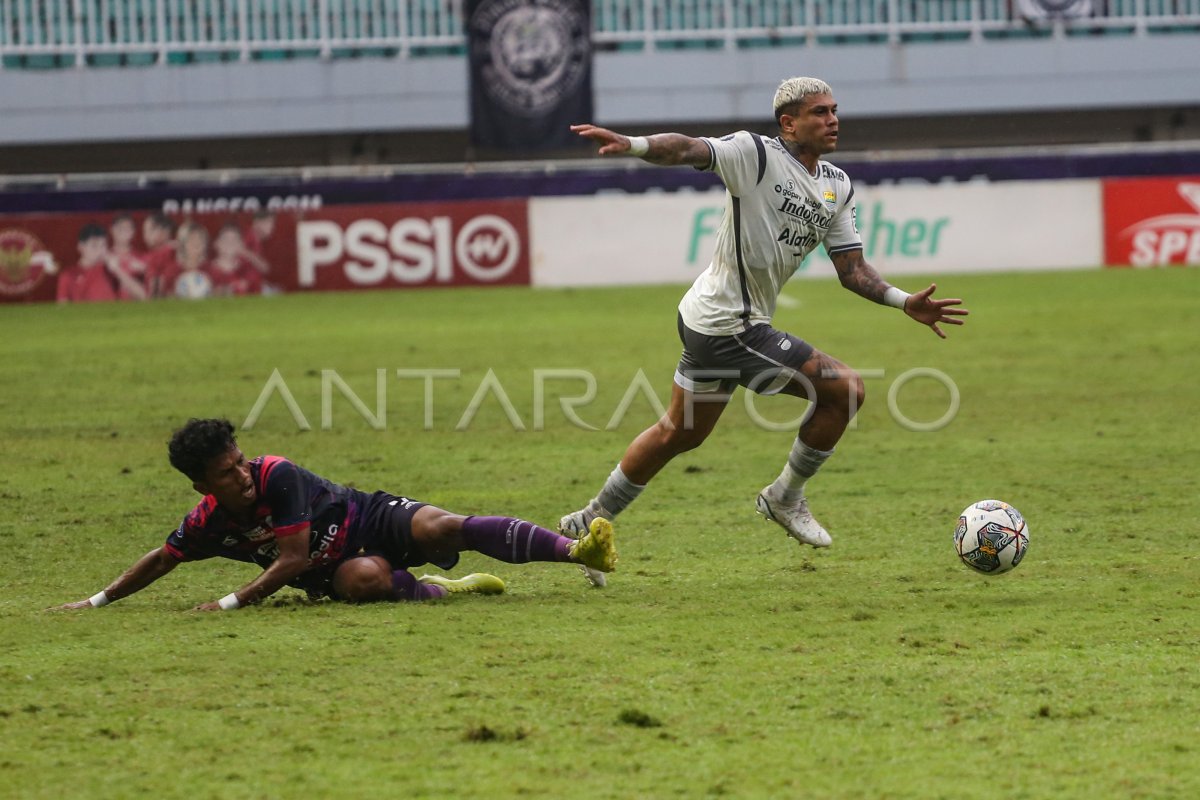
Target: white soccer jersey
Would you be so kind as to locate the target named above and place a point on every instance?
(776, 212)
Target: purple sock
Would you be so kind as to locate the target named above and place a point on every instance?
(513, 540)
(407, 587)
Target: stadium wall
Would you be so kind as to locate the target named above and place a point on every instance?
(912, 80)
(651, 238)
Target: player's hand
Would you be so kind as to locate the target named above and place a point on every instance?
(72, 606)
(611, 143)
(213, 606)
(924, 309)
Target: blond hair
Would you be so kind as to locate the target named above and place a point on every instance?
(796, 90)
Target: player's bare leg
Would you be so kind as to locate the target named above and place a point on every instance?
(690, 418)
(836, 392)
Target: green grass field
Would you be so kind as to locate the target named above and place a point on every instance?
(722, 660)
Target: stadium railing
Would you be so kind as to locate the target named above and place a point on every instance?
(79, 33)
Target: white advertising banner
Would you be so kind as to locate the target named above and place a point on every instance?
(945, 228)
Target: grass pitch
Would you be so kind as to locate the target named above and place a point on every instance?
(723, 660)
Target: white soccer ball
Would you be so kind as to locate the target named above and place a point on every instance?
(193, 285)
(991, 537)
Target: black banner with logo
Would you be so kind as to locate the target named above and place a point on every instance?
(531, 71)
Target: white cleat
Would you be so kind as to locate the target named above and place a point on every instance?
(796, 519)
(576, 525)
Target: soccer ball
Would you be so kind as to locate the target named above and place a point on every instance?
(193, 285)
(991, 537)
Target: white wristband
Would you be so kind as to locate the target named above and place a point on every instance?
(99, 599)
(895, 298)
(229, 602)
(638, 146)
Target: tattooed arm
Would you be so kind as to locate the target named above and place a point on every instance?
(858, 276)
(666, 149)
(861, 278)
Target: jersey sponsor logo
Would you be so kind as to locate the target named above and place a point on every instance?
(806, 213)
(258, 534)
(24, 261)
(802, 241)
(328, 547)
(1152, 222)
(832, 172)
(788, 189)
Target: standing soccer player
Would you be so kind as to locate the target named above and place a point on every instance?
(781, 202)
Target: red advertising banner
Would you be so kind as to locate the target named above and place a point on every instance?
(87, 257)
(398, 245)
(1152, 221)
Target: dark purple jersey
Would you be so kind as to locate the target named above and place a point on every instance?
(289, 498)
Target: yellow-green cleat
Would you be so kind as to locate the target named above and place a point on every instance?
(596, 549)
(475, 583)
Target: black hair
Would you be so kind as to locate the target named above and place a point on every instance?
(163, 221)
(790, 109)
(197, 443)
(124, 216)
(92, 231)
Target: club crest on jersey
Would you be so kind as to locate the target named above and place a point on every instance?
(830, 198)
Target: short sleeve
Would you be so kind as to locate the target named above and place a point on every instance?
(284, 490)
(188, 542)
(739, 159)
(843, 229)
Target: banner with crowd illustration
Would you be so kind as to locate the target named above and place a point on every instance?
(81, 258)
(136, 256)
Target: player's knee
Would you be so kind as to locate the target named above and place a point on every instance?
(363, 580)
(856, 391)
(680, 438)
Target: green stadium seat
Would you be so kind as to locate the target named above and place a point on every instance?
(106, 60)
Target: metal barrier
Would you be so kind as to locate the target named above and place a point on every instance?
(60, 33)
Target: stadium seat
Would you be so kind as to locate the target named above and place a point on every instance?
(121, 34)
(106, 60)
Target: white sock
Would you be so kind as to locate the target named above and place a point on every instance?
(617, 494)
(803, 462)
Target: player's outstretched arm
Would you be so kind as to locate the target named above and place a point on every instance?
(861, 278)
(145, 571)
(665, 149)
(292, 560)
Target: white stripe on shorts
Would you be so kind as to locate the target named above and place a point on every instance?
(697, 387)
